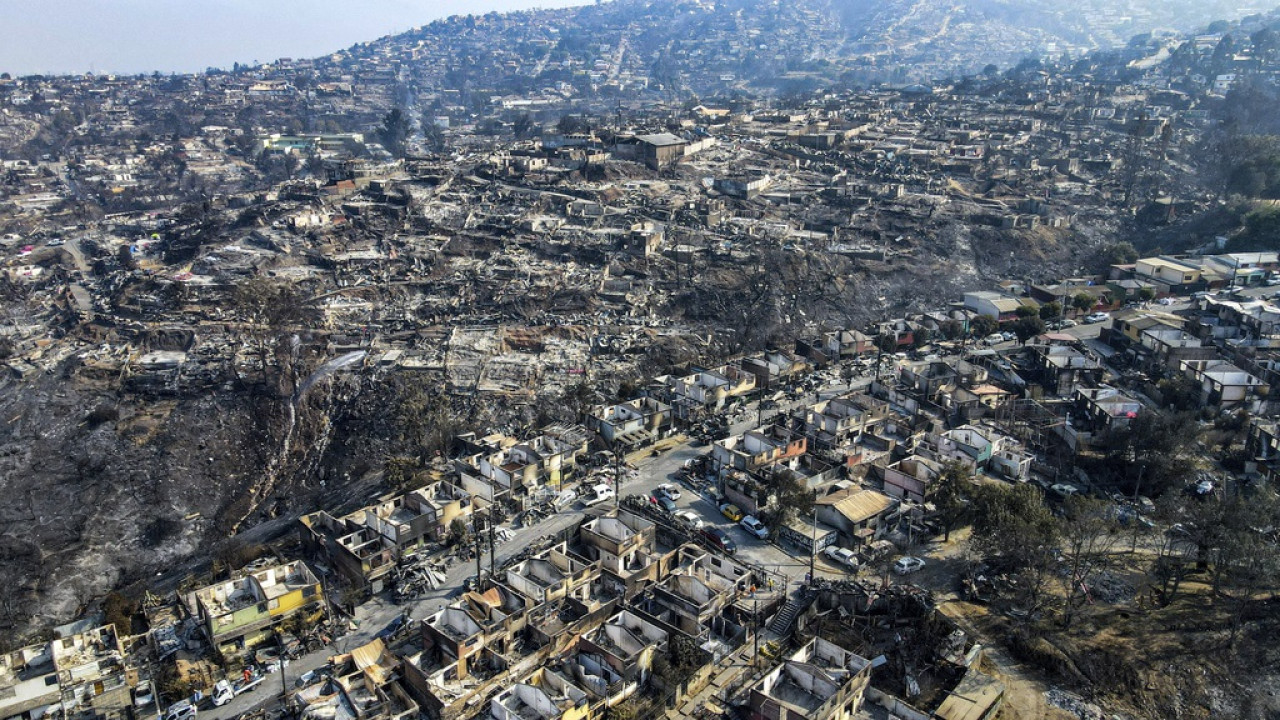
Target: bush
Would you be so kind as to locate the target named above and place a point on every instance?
(102, 414)
(159, 530)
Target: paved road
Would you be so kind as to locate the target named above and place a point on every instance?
(380, 611)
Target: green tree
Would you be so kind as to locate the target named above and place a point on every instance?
(1051, 311)
(950, 496)
(1120, 253)
(1146, 294)
(1083, 302)
(1026, 328)
(982, 326)
(400, 471)
(1026, 311)
(1012, 525)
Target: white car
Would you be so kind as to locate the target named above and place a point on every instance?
(993, 339)
(907, 565)
(181, 710)
(671, 491)
(689, 519)
(1096, 317)
(841, 556)
(755, 527)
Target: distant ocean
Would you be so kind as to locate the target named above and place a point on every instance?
(144, 36)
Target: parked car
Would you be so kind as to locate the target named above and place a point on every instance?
(663, 502)
(719, 539)
(841, 556)
(1096, 317)
(907, 565)
(1067, 323)
(755, 527)
(181, 710)
(731, 511)
(993, 339)
(669, 490)
(689, 519)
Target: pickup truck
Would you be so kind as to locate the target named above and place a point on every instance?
(224, 690)
(599, 493)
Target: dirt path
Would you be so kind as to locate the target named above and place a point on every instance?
(1024, 692)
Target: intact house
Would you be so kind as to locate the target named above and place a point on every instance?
(858, 514)
(979, 448)
(997, 306)
(239, 614)
(661, 149)
(1170, 275)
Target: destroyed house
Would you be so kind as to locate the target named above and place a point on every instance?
(698, 393)
(589, 671)
(409, 520)
(83, 673)
(363, 555)
(1061, 369)
(834, 421)
(551, 575)
(820, 681)
(758, 449)
(774, 366)
(1223, 385)
(633, 423)
(543, 695)
(847, 343)
(624, 548)
(499, 612)
(1103, 409)
(910, 478)
(242, 613)
(628, 643)
(363, 682)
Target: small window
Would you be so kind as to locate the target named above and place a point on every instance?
(274, 604)
(309, 591)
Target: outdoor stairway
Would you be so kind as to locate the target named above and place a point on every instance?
(782, 621)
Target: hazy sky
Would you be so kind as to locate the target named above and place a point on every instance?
(132, 36)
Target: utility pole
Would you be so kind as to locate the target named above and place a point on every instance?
(813, 539)
(493, 566)
(755, 612)
(479, 554)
